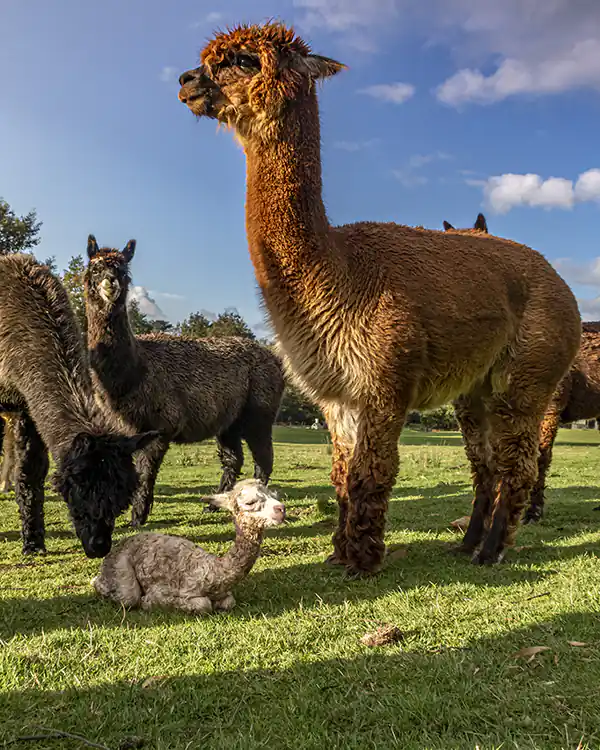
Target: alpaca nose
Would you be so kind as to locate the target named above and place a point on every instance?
(189, 76)
(280, 510)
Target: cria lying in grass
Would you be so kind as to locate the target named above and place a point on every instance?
(150, 570)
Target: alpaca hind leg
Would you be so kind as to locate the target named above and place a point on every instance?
(231, 456)
(147, 463)
(258, 433)
(473, 419)
(167, 599)
(30, 474)
(548, 433)
(8, 461)
(515, 445)
(342, 427)
(372, 471)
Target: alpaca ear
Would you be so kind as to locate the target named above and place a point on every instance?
(220, 500)
(481, 223)
(92, 246)
(317, 66)
(129, 250)
(447, 226)
(139, 441)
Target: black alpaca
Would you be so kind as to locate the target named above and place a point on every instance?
(44, 376)
(189, 390)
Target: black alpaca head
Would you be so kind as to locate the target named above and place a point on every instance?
(97, 479)
(107, 277)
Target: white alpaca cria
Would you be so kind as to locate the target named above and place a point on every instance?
(159, 570)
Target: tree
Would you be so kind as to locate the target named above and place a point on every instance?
(18, 234)
(160, 326)
(196, 326)
(442, 418)
(296, 408)
(73, 282)
(137, 319)
(231, 323)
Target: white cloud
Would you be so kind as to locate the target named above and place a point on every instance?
(588, 186)
(166, 295)
(586, 274)
(214, 17)
(510, 190)
(169, 74)
(576, 68)
(397, 93)
(146, 303)
(411, 175)
(507, 191)
(355, 145)
(589, 308)
(502, 49)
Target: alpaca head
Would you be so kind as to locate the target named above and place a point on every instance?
(252, 499)
(97, 479)
(250, 75)
(107, 278)
(480, 227)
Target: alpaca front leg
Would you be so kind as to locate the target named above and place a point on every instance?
(30, 473)
(372, 472)
(148, 462)
(342, 427)
(225, 604)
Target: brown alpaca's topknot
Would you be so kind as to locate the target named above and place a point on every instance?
(254, 38)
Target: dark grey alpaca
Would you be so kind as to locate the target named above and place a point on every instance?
(44, 376)
(189, 390)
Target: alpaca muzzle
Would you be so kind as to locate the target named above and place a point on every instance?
(109, 290)
(196, 91)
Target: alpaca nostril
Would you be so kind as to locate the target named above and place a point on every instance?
(186, 77)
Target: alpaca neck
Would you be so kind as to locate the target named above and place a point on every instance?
(113, 349)
(286, 221)
(237, 562)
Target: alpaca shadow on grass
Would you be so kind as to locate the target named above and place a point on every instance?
(271, 591)
(428, 695)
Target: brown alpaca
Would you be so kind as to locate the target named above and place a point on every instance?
(376, 319)
(577, 396)
(480, 227)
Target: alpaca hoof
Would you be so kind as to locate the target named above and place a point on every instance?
(461, 550)
(356, 574)
(532, 515)
(483, 557)
(34, 548)
(333, 559)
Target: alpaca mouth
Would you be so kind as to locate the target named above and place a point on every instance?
(198, 101)
(108, 292)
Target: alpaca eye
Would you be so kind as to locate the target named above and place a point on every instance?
(246, 62)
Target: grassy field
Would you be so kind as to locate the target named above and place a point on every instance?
(286, 668)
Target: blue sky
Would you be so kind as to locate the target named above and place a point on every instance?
(448, 107)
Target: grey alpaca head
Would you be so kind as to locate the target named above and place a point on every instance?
(107, 276)
(253, 499)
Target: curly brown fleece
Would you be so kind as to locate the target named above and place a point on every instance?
(376, 319)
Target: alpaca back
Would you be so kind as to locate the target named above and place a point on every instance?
(192, 389)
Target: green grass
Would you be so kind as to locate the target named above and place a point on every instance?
(286, 668)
